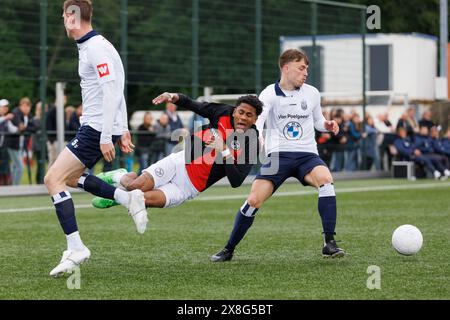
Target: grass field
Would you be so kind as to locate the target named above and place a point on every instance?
(279, 259)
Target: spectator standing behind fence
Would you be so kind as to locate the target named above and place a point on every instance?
(161, 147)
(353, 143)
(324, 144)
(408, 121)
(387, 136)
(6, 126)
(68, 112)
(17, 144)
(36, 143)
(174, 123)
(196, 122)
(50, 124)
(74, 122)
(145, 140)
(338, 142)
(370, 144)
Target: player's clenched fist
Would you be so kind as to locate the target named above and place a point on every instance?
(332, 126)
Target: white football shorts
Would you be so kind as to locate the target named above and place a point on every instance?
(172, 179)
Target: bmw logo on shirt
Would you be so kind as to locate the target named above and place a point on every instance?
(293, 131)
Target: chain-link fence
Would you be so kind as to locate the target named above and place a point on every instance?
(166, 44)
(178, 45)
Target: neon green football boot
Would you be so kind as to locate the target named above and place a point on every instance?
(108, 176)
(102, 203)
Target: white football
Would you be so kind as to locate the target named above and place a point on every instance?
(407, 240)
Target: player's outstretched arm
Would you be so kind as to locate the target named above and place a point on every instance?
(166, 97)
(205, 109)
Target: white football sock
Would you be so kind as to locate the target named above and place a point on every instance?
(74, 242)
(122, 197)
(117, 177)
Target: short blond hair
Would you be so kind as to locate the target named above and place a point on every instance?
(292, 55)
(85, 8)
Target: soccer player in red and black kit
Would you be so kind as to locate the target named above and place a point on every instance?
(227, 147)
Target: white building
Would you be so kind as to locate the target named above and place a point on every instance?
(402, 63)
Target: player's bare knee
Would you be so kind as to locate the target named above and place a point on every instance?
(47, 180)
(254, 201)
(326, 179)
(319, 177)
(50, 179)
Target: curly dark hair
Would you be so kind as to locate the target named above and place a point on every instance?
(253, 101)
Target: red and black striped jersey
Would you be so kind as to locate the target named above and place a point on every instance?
(204, 165)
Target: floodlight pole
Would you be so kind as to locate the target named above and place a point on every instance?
(124, 41)
(443, 38)
(258, 46)
(195, 48)
(314, 62)
(43, 88)
(364, 84)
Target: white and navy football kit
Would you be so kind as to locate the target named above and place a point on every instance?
(104, 116)
(291, 118)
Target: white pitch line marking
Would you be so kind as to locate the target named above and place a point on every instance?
(278, 194)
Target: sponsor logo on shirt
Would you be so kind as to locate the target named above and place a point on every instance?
(293, 131)
(159, 172)
(293, 116)
(103, 70)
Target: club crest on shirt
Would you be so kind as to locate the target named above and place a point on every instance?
(235, 145)
(293, 131)
(304, 105)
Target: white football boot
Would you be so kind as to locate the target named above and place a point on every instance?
(137, 210)
(70, 260)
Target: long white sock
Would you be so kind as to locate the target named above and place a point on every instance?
(117, 177)
(122, 197)
(74, 242)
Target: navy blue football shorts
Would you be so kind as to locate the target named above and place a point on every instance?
(86, 146)
(283, 165)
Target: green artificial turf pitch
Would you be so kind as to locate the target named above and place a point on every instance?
(280, 258)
